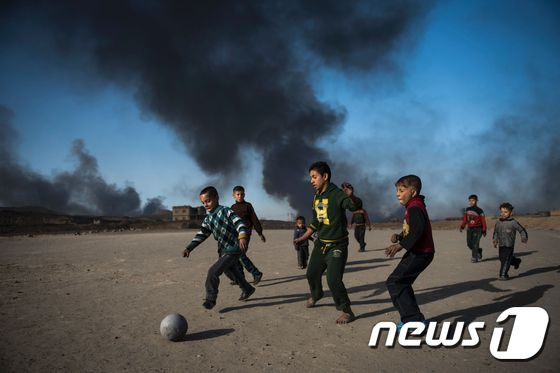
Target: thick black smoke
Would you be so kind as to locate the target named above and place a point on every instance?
(227, 75)
(153, 206)
(81, 191)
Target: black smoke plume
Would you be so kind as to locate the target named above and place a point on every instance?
(81, 191)
(226, 75)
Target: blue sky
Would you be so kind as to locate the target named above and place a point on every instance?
(473, 63)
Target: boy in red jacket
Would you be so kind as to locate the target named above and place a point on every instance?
(475, 222)
(416, 239)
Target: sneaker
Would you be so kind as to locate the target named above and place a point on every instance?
(503, 278)
(479, 253)
(209, 304)
(517, 263)
(247, 293)
(474, 260)
(401, 324)
(257, 278)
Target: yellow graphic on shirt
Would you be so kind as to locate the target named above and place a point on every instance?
(321, 205)
(405, 228)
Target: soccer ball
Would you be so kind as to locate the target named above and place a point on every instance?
(173, 327)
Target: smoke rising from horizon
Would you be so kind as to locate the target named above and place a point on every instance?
(80, 191)
(225, 76)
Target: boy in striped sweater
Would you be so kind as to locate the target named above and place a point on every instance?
(230, 232)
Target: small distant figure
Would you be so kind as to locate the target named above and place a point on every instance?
(505, 231)
(360, 220)
(475, 221)
(302, 248)
(416, 239)
(246, 212)
(230, 232)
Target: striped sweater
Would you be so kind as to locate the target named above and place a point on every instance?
(226, 227)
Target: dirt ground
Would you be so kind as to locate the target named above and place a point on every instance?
(93, 303)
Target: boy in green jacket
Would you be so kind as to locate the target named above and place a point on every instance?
(330, 250)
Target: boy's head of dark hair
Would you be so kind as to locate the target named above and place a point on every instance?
(506, 205)
(300, 218)
(322, 168)
(238, 188)
(410, 181)
(211, 191)
(473, 196)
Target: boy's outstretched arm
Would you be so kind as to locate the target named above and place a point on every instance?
(495, 234)
(464, 222)
(368, 223)
(240, 228)
(304, 236)
(522, 231)
(256, 223)
(200, 236)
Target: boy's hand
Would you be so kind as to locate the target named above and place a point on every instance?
(393, 249)
(186, 253)
(263, 238)
(394, 238)
(484, 234)
(461, 229)
(243, 244)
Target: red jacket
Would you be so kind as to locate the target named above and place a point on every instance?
(417, 230)
(474, 217)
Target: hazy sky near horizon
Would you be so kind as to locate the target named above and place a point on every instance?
(462, 93)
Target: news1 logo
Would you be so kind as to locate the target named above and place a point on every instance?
(526, 339)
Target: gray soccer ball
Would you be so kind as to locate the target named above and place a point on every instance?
(173, 327)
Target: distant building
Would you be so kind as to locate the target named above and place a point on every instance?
(188, 213)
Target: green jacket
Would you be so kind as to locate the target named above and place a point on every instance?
(329, 216)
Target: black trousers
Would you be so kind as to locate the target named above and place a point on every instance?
(228, 264)
(506, 259)
(399, 284)
(302, 255)
(360, 235)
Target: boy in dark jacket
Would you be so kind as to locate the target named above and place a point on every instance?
(475, 221)
(416, 239)
(302, 248)
(246, 212)
(505, 231)
(330, 251)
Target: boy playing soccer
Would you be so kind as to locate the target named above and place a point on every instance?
(330, 251)
(476, 227)
(505, 231)
(416, 239)
(229, 231)
(246, 212)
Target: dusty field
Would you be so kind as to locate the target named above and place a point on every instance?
(94, 303)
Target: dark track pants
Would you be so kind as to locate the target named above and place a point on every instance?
(225, 264)
(507, 259)
(302, 255)
(473, 240)
(399, 284)
(333, 260)
(360, 235)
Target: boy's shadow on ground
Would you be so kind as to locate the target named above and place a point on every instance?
(283, 280)
(207, 334)
(522, 253)
(435, 294)
(518, 299)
